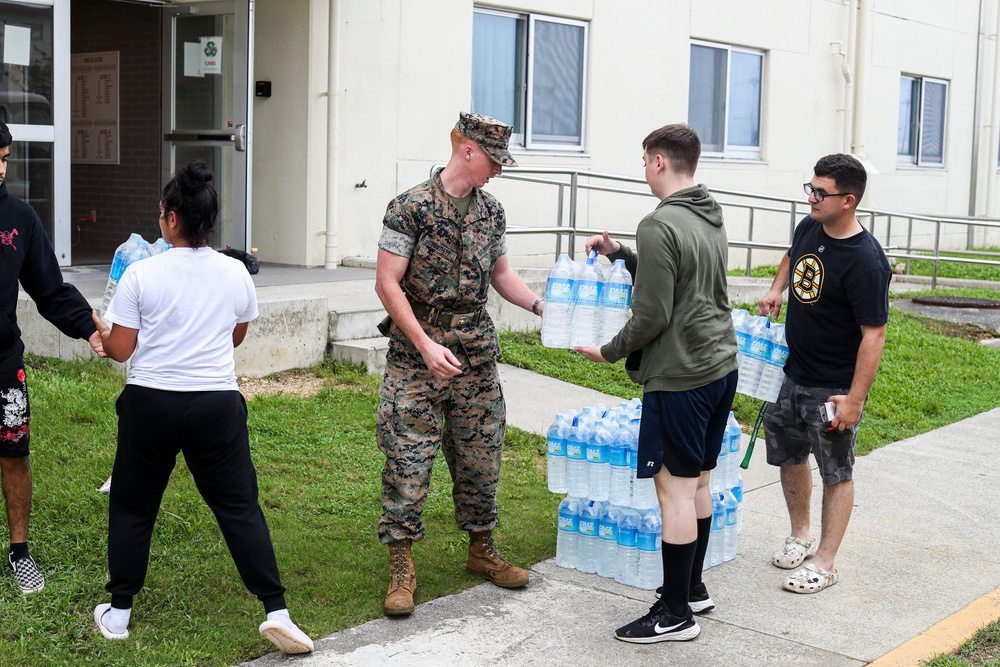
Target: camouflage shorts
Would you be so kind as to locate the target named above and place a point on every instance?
(793, 427)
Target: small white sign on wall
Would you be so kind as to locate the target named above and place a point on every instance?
(211, 55)
(16, 45)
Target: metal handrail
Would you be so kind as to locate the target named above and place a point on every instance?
(790, 206)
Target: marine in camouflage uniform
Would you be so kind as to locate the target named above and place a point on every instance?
(442, 246)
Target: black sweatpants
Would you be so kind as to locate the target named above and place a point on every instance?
(210, 428)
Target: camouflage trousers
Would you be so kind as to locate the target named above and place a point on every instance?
(464, 416)
(793, 428)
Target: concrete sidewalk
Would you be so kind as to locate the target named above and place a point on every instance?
(922, 545)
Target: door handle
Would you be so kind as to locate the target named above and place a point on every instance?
(241, 137)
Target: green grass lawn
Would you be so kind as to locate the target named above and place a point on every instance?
(319, 473)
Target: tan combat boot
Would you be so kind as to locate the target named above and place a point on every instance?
(402, 580)
(486, 561)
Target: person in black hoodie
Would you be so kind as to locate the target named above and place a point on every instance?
(26, 256)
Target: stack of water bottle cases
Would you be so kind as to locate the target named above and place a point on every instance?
(610, 521)
(584, 304)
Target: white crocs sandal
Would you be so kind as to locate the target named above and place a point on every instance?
(810, 578)
(794, 552)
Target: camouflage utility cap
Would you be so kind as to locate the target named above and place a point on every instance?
(491, 135)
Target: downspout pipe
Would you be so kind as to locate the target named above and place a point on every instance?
(991, 166)
(332, 135)
(847, 69)
(977, 122)
(861, 55)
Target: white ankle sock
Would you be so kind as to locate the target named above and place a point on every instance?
(116, 620)
(281, 616)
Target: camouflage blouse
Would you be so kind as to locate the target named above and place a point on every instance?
(451, 260)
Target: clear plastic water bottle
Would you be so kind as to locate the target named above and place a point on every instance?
(587, 542)
(118, 265)
(738, 494)
(730, 529)
(567, 538)
(559, 303)
(720, 474)
(599, 461)
(760, 352)
(716, 540)
(742, 328)
(650, 566)
(158, 246)
(633, 461)
(773, 371)
(576, 457)
(607, 531)
(557, 454)
(734, 441)
(616, 297)
(628, 555)
(584, 320)
(621, 485)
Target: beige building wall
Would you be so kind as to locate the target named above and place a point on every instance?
(404, 72)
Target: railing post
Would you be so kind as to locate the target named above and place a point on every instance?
(750, 238)
(909, 243)
(871, 222)
(937, 250)
(791, 225)
(559, 221)
(888, 232)
(573, 179)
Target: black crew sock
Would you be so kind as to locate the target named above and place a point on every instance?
(677, 562)
(18, 550)
(704, 531)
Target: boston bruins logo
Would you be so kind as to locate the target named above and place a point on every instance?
(807, 283)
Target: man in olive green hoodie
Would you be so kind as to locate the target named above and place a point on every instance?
(681, 325)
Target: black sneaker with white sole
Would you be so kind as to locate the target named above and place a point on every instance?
(659, 625)
(698, 598)
(26, 573)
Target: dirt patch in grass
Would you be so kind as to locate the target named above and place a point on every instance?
(299, 382)
(961, 330)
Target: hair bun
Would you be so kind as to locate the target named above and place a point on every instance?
(196, 172)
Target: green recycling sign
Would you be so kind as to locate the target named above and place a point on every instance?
(211, 55)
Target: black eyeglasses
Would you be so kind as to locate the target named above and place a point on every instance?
(819, 194)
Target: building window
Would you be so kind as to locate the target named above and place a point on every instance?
(724, 99)
(529, 71)
(922, 110)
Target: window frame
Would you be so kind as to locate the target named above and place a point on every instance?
(523, 139)
(733, 151)
(917, 159)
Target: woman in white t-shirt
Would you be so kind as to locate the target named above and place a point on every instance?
(179, 315)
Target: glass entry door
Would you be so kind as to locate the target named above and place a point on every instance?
(207, 109)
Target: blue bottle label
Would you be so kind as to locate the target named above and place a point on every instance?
(738, 493)
(597, 453)
(743, 341)
(588, 291)
(559, 289)
(574, 450)
(557, 447)
(569, 522)
(626, 537)
(587, 527)
(608, 530)
(731, 516)
(647, 541)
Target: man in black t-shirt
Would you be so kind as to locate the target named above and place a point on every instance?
(837, 312)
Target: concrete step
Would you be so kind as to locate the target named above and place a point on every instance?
(352, 323)
(368, 351)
